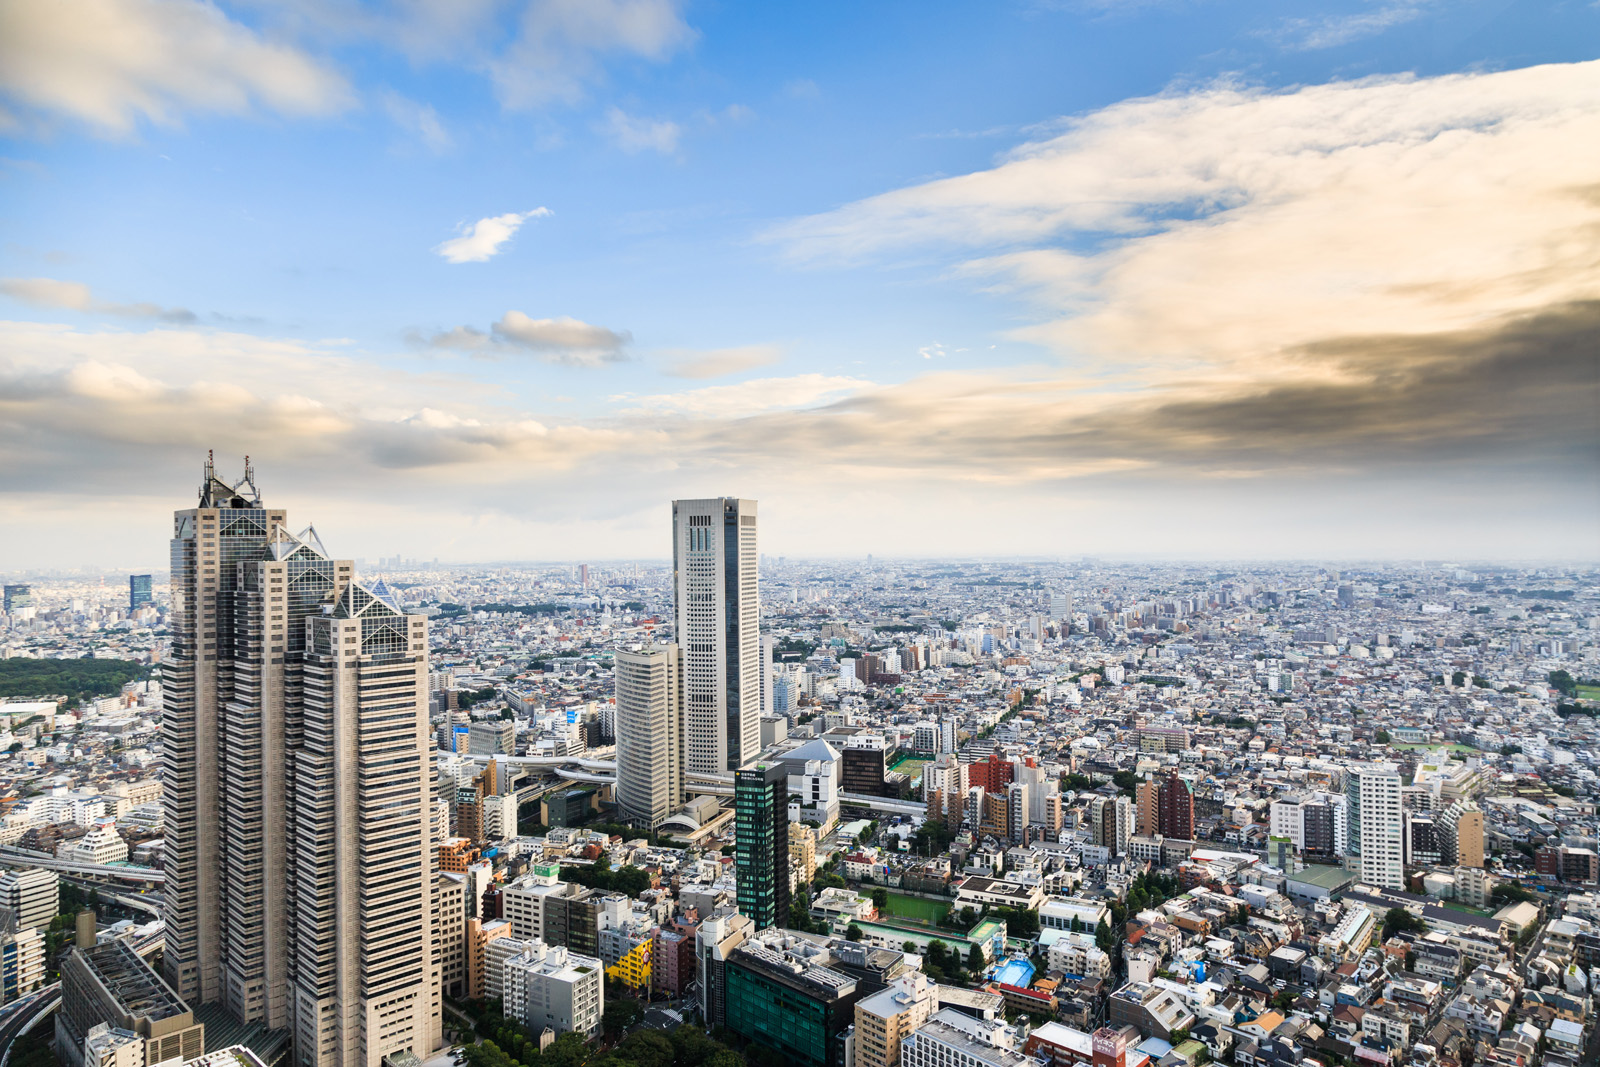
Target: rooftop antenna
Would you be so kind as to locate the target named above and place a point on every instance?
(249, 473)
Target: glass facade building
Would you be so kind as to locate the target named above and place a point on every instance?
(761, 843)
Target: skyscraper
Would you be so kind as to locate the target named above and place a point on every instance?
(761, 843)
(297, 765)
(18, 596)
(649, 734)
(138, 591)
(716, 597)
(1372, 815)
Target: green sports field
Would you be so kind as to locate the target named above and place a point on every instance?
(928, 911)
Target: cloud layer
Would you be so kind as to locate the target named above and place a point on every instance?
(110, 63)
(75, 296)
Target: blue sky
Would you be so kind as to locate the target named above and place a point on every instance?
(893, 269)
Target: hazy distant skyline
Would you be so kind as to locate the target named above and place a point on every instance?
(498, 279)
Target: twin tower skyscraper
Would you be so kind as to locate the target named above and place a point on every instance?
(301, 829)
(693, 706)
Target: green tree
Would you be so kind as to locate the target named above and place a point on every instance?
(853, 933)
(1383, 737)
(568, 1050)
(1399, 920)
(975, 959)
(630, 880)
(880, 899)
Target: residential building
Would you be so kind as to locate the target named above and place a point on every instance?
(953, 1039)
(1460, 831)
(1373, 816)
(551, 986)
(32, 894)
(885, 1018)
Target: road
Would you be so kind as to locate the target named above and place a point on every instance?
(23, 1015)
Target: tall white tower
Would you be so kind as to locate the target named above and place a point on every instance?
(1372, 811)
(718, 619)
(649, 734)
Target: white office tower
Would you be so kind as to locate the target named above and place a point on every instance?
(1061, 606)
(300, 851)
(1372, 813)
(717, 601)
(649, 713)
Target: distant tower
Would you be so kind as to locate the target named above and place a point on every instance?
(138, 591)
(718, 619)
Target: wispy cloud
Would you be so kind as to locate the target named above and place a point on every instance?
(560, 44)
(747, 398)
(111, 63)
(483, 239)
(1331, 31)
(75, 296)
(634, 134)
(717, 362)
(418, 120)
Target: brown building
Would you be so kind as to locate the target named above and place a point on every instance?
(1176, 818)
(861, 770)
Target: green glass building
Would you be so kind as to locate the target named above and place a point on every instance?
(761, 843)
(788, 1005)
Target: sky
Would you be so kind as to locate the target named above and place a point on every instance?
(498, 279)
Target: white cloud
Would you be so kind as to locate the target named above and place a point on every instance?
(419, 120)
(579, 342)
(716, 362)
(1223, 227)
(482, 240)
(633, 134)
(75, 296)
(801, 89)
(110, 63)
(561, 42)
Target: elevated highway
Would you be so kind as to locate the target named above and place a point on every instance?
(142, 875)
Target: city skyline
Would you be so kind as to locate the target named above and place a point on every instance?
(1186, 279)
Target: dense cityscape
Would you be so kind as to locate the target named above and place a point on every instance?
(272, 806)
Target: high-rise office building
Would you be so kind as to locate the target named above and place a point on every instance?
(761, 843)
(139, 591)
(649, 724)
(18, 596)
(1375, 830)
(298, 785)
(716, 596)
